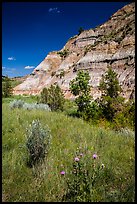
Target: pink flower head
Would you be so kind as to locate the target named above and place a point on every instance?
(62, 172)
(95, 156)
(76, 159)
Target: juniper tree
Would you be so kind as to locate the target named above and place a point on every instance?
(80, 87)
(6, 87)
(80, 30)
(54, 97)
(110, 101)
(109, 84)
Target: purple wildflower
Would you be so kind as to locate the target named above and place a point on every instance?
(62, 172)
(95, 156)
(76, 159)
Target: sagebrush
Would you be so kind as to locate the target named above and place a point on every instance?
(38, 142)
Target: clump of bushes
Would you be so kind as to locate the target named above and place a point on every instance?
(39, 106)
(53, 73)
(80, 88)
(29, 106)
(126, 131)
(54, 97)
(113, 106)
(87, 49)
(38, 142)
(17, 104)
(62, 74)
(63, 54)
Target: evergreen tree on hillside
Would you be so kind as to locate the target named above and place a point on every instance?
(80, 30)
(109, 84)
(54, 97)
(110, 101)
(6, 87)
(80, 87)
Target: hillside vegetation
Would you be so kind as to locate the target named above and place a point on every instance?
(106, 159)
(14, 82)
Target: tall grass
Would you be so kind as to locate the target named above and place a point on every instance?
(44, 182)
(25, 98)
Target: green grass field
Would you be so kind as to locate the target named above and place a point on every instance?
(116, 150)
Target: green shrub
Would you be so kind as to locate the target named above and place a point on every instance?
(87, 109)
(125, 117)
(44, 96)
(80, 87)
(63, 54)
(110, 101)
(54, 97)
(86, 50)
(129, 112)
(53, 73)
(62, 74)
(6, 87)
(93, 112)
(38, 142)
(109, 84)
(80, 30)
(70, 108)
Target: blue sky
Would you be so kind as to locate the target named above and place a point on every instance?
(30, 30)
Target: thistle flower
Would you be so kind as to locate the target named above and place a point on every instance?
(62, 172)
(76, 159)
(95, 156)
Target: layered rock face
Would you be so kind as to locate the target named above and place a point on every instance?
(110, 44)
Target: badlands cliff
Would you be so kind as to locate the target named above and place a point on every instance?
(110, 44)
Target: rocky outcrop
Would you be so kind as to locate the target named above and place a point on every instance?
(110, 44)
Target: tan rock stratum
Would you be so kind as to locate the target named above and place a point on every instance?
(110, 44)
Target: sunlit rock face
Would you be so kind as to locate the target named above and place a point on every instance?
(110, 44)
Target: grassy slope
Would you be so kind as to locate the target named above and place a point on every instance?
(20, 183)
